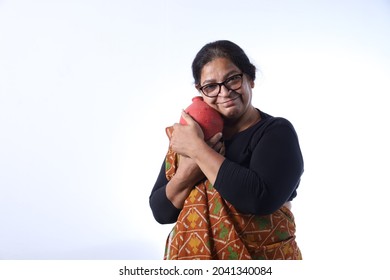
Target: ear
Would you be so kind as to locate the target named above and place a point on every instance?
(252, 83)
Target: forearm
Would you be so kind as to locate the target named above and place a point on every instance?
(163, 210)
(269, 179)
(177, 190)
(208, 160)
(247, 192)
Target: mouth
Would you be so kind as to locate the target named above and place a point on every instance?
(228, 101)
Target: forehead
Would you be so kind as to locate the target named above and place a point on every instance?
(217, 69)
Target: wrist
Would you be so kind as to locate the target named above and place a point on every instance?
(196, 146)
(177, 191)
(200, 150)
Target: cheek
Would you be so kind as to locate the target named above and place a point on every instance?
(212, 104)
(247, 94)
(245, 97)
(210, 101)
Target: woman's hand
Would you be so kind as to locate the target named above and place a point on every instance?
(188, 173)
(189, 170)
(187, 141)
(185, 138)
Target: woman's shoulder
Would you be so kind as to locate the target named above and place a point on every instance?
(271, 124)
(266, 124)
(268, 121)
(244, 142)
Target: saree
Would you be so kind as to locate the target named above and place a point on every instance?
(210, 228)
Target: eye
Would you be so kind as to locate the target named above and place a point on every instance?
(209, 88)
(234, 79)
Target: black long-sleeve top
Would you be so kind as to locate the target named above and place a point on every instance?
(261, 172)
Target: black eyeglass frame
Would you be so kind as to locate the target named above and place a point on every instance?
(222, 84)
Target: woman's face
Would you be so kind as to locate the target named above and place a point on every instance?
(231, 104)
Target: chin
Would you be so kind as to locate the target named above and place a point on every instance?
(230, 114)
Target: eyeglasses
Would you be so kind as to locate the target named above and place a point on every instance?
(213, 89)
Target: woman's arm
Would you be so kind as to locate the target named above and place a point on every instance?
(273, 174)
(188, 140)
(187, 175)
(167, 197)
(162, 208)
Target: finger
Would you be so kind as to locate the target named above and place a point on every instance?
(218, 146)
(176, 127)
(215, 139)
(222, 150)
(187, 117)
(169, 131)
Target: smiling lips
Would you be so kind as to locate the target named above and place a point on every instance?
(228, 102)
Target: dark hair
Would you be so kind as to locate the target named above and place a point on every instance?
(222, 49)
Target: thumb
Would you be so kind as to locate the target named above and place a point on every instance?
(187, 118)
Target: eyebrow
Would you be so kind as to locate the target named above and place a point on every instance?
(227, 75)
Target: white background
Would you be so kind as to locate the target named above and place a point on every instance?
(88, 87)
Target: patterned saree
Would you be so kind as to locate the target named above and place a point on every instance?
(210, 228)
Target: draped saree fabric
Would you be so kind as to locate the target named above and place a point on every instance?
(210, 228)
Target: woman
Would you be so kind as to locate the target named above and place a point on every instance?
(230, 196)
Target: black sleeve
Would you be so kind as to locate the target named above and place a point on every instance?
(274, 172)
(163, 210)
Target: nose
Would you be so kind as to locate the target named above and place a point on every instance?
(224, 91)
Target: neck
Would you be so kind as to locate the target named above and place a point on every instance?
(234, 126)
